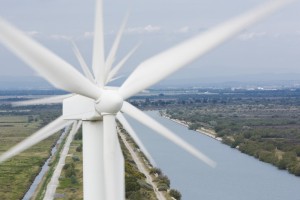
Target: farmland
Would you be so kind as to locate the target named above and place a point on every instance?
(17, 174)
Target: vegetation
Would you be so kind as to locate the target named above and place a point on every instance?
(136, 186)
(17, 174)
(175, 193)
(71, 187)
(263, 124)
(71, 179)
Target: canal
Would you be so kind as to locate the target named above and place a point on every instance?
(29, 194)
(236, 177)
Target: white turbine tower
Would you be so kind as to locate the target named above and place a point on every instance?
(98, 106)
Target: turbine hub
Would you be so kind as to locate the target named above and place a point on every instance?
(110, 102)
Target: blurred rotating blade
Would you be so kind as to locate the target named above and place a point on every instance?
(117, 68)
(54, 69)
(163, 131)
(82, 62)
(98, 46)
(35, 138)
(43, 101)
(134, 136)
(116, 78)
(162, 65)
(112, 54)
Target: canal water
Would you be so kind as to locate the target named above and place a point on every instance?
(236, 177)
(44, 169)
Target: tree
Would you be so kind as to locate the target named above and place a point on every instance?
(175, 193)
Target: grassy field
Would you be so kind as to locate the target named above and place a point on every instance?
(17, 174)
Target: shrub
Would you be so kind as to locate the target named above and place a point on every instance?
(73, 179)
(162, 188)
(296, 170)
(164, 180)
(175, 193)
(66, 166)
(70, 170)
(79, 148)
(145, 185)
(78, 135)
(131, 184)
(298, 151)
(155, 170)
(75, 158)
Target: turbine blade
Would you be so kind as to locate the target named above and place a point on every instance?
(82, 62)
(116, 78)
(162, 65)
(117, 68)
(98, 49)
(163, 131)
(35, 138)
(43, 101)
(112, 54)
(113, 160)
(134, 136)
(54, 69)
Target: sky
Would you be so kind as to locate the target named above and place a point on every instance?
(270, 47)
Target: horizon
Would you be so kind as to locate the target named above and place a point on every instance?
(275, 81)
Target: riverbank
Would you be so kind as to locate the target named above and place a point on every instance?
(141, 165)
(207, 132)
(259, 131)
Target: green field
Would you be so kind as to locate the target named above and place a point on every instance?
(17, 174)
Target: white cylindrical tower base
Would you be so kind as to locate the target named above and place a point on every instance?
(113, 161)
(93, 172)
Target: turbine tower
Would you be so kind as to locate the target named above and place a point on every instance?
(98, 105)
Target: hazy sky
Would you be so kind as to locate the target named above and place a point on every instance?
(273, 46)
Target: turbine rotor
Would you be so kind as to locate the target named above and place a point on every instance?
(110, 102)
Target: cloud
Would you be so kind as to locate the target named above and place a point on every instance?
(88, 34)
(146, 29)
(151, 28)
(32, 33)
(60, 37)
(184, 29)
(251, 35)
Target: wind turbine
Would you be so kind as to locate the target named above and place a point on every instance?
(98, 106)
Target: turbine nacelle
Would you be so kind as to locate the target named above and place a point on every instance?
(78, 107)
